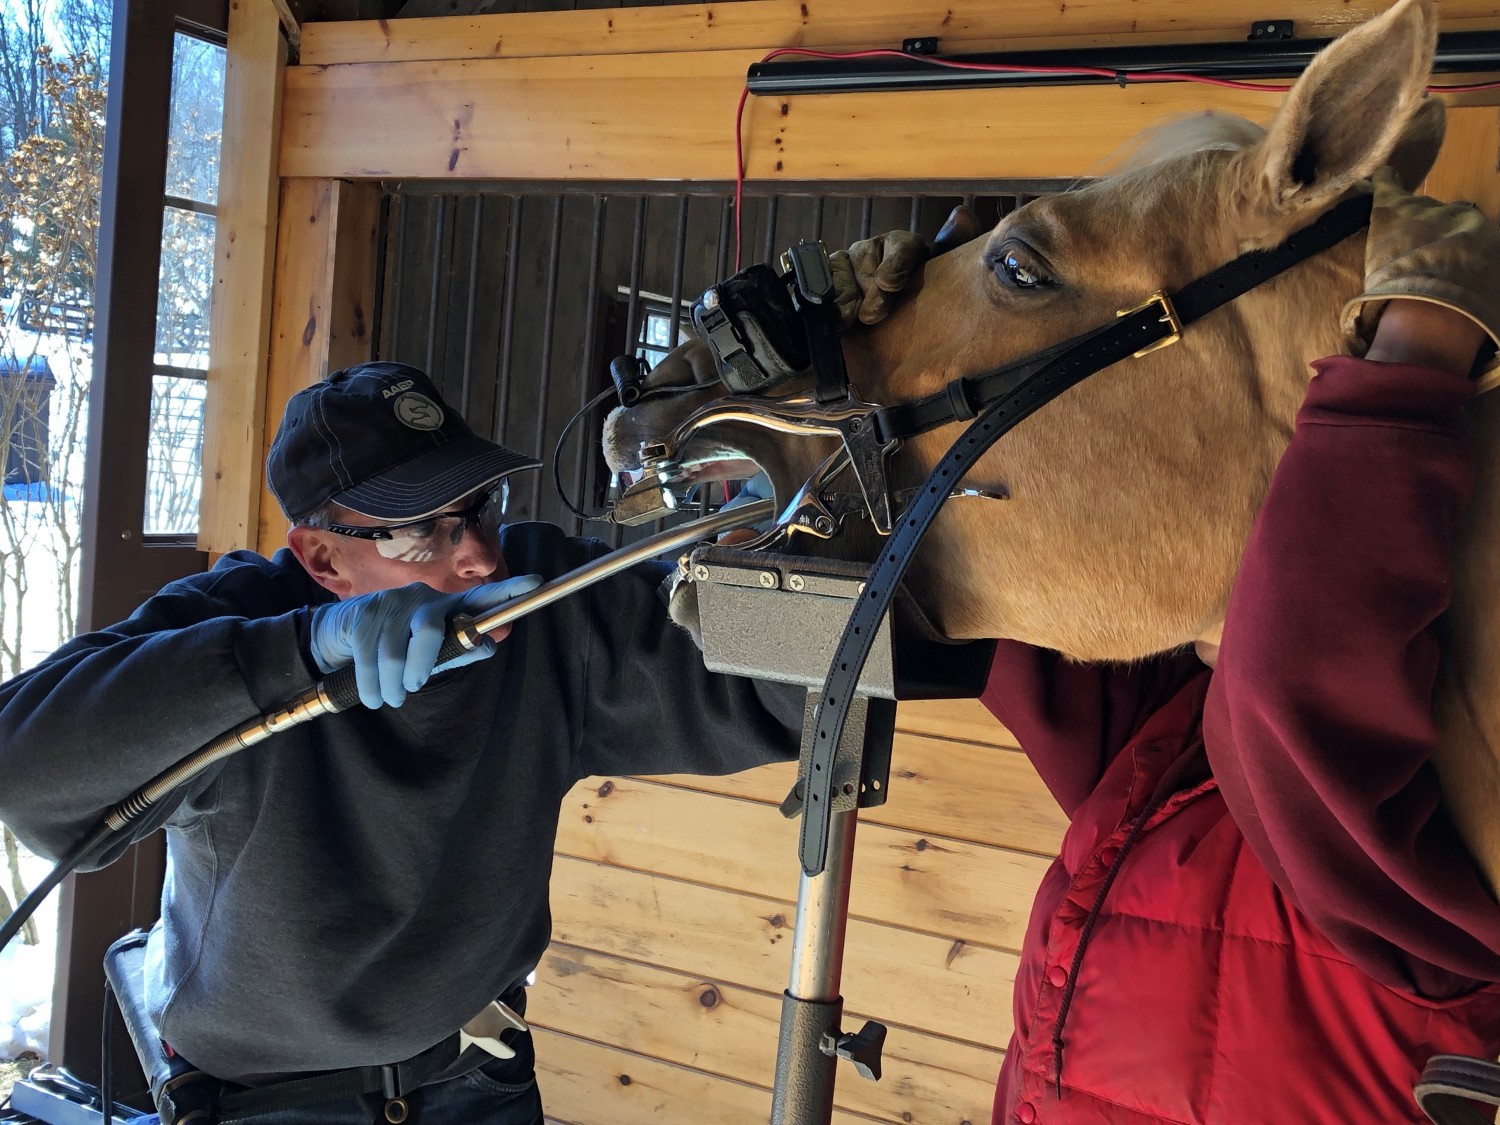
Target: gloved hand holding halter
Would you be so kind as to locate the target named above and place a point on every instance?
(1422, 250)
(392, 637)
(870, 270)
(873, 270)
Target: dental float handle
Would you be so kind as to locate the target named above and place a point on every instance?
(338, 691)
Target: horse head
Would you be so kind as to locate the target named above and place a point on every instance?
(1111, 523)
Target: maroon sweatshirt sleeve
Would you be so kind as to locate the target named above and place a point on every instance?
(1071, 719)
(1318, 722)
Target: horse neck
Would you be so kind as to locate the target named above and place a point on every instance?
(1294, 321)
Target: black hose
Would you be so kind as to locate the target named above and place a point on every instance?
(557, 453)
(27, 906)
(562, 439)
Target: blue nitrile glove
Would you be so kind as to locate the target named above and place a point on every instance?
(757, 487)
(392, 637)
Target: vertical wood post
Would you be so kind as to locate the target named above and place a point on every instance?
(322, 298)
(244, 251)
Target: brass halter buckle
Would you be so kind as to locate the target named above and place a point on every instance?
(1169, 317)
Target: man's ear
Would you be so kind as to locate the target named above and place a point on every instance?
(320, 557)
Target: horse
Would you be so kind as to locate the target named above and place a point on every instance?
(1109, 526)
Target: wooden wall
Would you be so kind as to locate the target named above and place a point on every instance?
(673, 903)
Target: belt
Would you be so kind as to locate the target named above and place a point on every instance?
(392, 1081)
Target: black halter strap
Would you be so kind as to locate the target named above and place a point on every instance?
(1453, 1087)
(1008, 395)
(1150, 323)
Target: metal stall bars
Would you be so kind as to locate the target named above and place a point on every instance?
(514, 298)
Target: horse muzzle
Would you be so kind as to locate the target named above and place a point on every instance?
(765, 329)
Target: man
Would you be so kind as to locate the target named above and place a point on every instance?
(353, 892)
(1261, 912)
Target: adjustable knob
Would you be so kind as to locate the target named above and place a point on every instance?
(863, 1049)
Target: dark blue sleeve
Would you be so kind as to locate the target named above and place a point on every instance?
(652, 705)
(111, 709)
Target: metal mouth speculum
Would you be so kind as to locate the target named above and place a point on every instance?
(813, 510)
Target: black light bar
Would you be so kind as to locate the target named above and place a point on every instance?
(1458, 52)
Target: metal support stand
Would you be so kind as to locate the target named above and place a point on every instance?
(811, 1007)
(779, 617)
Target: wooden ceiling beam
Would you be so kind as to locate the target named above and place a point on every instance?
(671, 117)
(961, 26)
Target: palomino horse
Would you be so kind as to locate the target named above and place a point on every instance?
(1128, 501)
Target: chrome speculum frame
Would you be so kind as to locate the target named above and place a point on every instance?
(817, 509)
(755, 324)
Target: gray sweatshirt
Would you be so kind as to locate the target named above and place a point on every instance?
(353, 890)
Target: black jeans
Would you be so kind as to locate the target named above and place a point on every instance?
(501, 1092)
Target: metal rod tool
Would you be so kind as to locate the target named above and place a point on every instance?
(338, 692)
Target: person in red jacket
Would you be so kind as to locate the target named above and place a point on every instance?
(1261, 912)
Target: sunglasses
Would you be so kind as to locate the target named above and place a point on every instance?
(435, 537)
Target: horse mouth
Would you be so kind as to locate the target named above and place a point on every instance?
(737, 468)
(627, 432)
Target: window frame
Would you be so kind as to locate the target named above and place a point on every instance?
(170, 202)
(120, 567)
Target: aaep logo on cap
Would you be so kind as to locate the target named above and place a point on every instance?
(418, 411)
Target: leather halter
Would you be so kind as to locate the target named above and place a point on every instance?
(1452, 1084)
(869, 434)
(1155, 323)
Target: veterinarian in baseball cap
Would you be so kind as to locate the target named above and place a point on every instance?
(378, 439)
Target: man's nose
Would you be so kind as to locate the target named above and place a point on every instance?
(477, 553)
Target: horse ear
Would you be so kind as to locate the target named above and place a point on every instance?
(1348, 113)
(962, 226)
(1417, 150)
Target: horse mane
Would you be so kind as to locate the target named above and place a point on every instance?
(1166, 145)
(1184, 136)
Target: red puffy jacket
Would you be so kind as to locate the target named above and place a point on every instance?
(1261, 913)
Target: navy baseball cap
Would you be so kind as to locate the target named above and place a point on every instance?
(378, 439)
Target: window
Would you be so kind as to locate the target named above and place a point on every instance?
(654, 337)
(174, 468)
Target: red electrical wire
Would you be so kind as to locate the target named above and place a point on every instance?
(953, 64)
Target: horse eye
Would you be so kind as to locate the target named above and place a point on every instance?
(1018, 270)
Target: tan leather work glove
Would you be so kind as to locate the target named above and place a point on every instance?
(1421, 250)
(865, 275)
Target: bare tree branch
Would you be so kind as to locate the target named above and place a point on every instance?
(18, 887)
(49, 221)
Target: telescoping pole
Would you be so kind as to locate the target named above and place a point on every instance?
(812, 1039)
(812, 1009)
